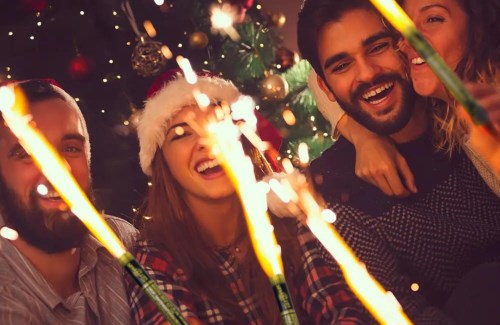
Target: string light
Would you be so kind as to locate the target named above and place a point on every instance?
(104, 80)
(415, 287)
(166, 52)
(159, 2)
(11, 33)
(32, 37)
(110, 61)
(126, 122)
(77, 99)
(115, 13)
(179, 45)
(39, 23)
(258, 7)
(117, 27)
(82, 13)
(150, 29)
(103, 111)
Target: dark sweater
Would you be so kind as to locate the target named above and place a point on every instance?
(432, 238)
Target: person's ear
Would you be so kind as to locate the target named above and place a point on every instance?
(322, 85)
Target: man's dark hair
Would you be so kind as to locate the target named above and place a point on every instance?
(313, 16)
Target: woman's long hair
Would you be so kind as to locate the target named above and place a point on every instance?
(170, 226)
(480, 63)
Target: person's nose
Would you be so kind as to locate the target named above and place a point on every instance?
(367, 71)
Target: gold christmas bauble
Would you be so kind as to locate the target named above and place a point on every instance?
(147, 59)
(278, 19)
(274, 87)
(198, 40)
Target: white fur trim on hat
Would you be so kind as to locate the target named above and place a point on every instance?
(168, 101)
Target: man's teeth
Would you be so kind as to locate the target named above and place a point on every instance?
(206, 165)
(376, 91)
(417, 61)
(51, 195)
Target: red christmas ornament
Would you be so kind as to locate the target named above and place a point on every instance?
(35, 5)
(80, 67)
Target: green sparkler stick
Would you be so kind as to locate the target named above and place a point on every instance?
(166, 307)
(400, 20)
(285, 304)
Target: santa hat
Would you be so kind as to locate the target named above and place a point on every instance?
(168, 95)
(69, 100)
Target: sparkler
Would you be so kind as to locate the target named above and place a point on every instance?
(400, 20)
(222, 136)
(380, 303)
(13, 108)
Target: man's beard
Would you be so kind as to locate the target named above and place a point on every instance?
(390, 126)
(49, 231)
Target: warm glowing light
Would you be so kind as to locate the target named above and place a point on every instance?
(111, 61)
(32, 37)
(303, 152)
(11, 33)
(179, 130)
(150, 29)
(39, 23)
(166, 52)
(8, 233)
(115, 13)
(150, 184)
(7, 98)
(104, 80)
(117, 27)
(222, 19)
(82, 13)
(289, 117)
(188, 71)
(126, 122)
(393, 12)
(159, 2)
(415, 287)
(42, 189)
(77, 99)
(103, 111)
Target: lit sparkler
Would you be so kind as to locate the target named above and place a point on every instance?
(400, 20)
(222, 18)
(379, 302)
(13, 107)
(222, 136)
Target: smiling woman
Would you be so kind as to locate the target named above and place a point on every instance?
(195, 240)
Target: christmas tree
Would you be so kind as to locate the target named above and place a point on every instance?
(106, 53)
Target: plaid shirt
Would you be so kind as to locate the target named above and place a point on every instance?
(321, 297)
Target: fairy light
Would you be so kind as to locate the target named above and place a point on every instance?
(104, 80)
(166, 52)
(111, 61)
(150, 29)
(150, 184)
(8, 233)
(303, 151)
(117, 27)
(77, 99)
(159, 2)
(11, 33)
(179, 45)
(82, 13)
(126, 122)
(289, 117)
(414, 287)
(32, 37)
(187, 69)
(39, 23)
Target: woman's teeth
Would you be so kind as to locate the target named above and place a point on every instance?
(206, 165)
(417, 61)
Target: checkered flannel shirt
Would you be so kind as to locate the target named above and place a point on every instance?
(322, 297)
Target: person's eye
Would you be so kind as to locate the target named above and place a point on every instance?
(434, 19)
(378, 48)
(73, 149)
(21, 154)
(340, 67)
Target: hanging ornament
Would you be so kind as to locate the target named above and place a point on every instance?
(274, 87)
(34, 5)
(198, 40)
(285, 58)
(278, 19)
(80, 67)
(147, 59)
